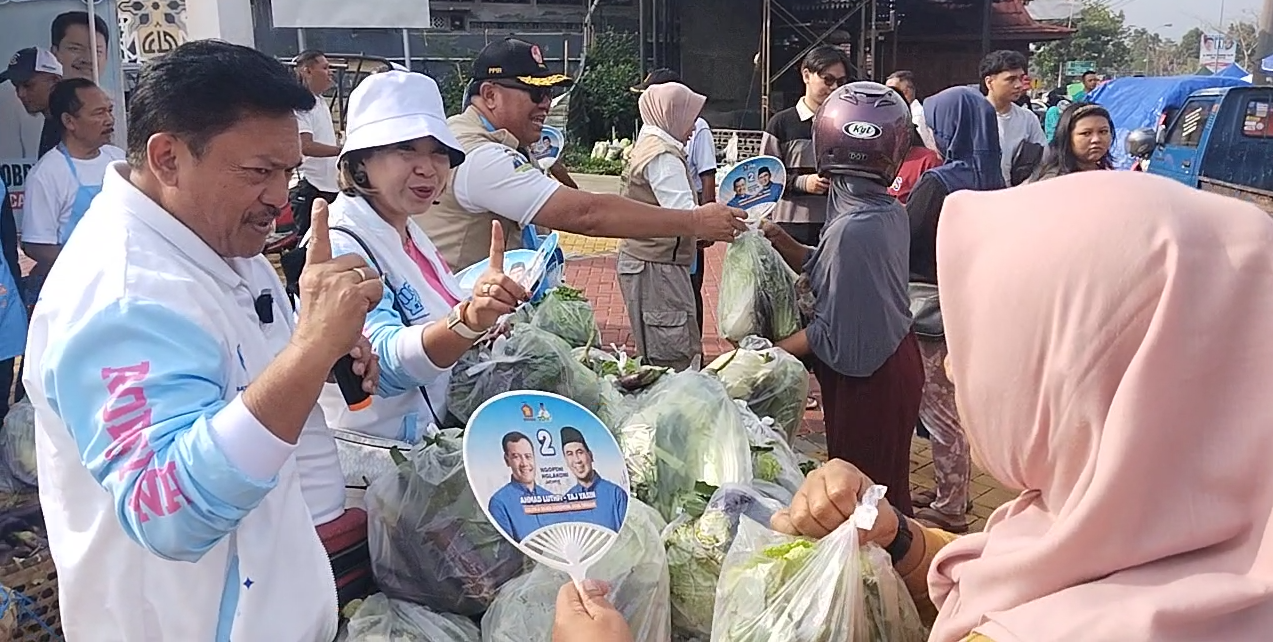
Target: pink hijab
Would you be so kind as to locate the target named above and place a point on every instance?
(672, 107)
(1114, 361)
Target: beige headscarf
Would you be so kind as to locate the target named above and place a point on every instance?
(672, 107)
(1115, 362)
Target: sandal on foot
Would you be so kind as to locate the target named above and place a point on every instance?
(810, 403)
(956, 524)
(925, 498)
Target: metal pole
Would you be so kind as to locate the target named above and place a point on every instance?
(641, 33)
(406, 48)
(987, 11)
(766, 15)
(1265, 48)
(300, 41)
(565, 57)
(92, 40)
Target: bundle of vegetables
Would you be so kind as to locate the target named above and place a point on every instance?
(696, 548)
(430, 542)
(635, 567)
(380, 619)
(19, 442)
(565, 312)
(526, 359)
(629, 373)
(757, 292)
(685, 432)
(772, 459)
(774, 383)
(776, 587)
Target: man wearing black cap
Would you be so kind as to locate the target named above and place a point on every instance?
(510, 95)
(700, 156)
(33, 72)
(611, 500)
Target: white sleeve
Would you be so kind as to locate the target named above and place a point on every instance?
(304, 122)
(703, 151)
(494, 178)
(670, 183)
(45, 203)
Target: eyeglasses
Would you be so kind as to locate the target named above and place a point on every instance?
(834, 81)
(536, 94)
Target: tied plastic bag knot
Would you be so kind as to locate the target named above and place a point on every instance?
(868, 508)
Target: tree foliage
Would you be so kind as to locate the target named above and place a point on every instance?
(603, 103)
(452, 86)
(1101, 36)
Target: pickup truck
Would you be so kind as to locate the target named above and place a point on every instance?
(1220, 140)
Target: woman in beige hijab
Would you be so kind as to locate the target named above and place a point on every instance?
(1113, 364)
(654, 274)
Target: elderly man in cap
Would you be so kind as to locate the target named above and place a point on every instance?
(611, 500)
(33, 72)
(510, 95)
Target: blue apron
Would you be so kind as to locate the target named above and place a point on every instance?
(84, 195)
(13, 315)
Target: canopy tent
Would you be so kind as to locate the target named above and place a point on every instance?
(1134, 103)
(1233, 71)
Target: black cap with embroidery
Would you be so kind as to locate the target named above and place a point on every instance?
(518, 61)
(659, 76)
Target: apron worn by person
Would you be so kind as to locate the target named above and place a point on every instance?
(84, 195)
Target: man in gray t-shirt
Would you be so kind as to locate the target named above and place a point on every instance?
(1003, 76)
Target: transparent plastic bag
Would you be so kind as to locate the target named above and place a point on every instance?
(527, 359)
(777, 587)
(696, 549)
(757, 291)
(635, 567)
(380, 619)
(772, 459)
(19, 442)
(685, 433)
(430, 542)
(774, 383)
(566, 313)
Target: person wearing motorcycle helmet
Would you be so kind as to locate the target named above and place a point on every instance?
(1140, 146)
(865, 355)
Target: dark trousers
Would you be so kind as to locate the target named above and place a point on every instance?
(696, 279)
(805, 233)
(870, 420)
(302, 198)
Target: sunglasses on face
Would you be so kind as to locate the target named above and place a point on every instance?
(834, 81)
(537, 94)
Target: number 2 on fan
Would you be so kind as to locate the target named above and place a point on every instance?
(545, 443)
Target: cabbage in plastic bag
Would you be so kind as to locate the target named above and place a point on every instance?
(19, 442)
(430, 542)
(757, 291)
(774, 383)
(686, 432)
(635, 567)
(380, 619)
(527, 359)
(566, 313)
(777, 587)
(696, 549)
(772, 459)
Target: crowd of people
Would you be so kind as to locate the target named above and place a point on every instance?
(184, 410)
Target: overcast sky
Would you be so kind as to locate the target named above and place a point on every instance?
(1183, 15)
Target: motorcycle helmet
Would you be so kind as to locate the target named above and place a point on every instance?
(863, 129)
(1141, 143)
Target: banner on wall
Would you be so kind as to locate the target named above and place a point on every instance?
(343, 14)
(29, 23)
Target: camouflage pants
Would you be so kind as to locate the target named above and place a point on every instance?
(952, 461)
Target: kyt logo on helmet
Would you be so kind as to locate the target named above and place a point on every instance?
(863, 129)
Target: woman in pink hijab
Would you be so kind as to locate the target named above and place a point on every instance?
(654, 274)
(1113, 363)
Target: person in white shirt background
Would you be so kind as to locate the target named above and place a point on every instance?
(1003, 76)
(903, 82)
(172, 387)
(316, 177)
(64, 183)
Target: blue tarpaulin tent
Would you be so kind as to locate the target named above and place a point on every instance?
(1233, 71)
(1139, 102)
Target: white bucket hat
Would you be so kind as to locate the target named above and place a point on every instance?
(395, 107)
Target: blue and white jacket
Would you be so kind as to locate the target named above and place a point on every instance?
(172, 513)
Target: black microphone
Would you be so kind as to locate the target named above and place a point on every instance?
(264, 305)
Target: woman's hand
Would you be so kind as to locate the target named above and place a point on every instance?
(495, 293)
(366, 365)
(587, 616)
(827, 499)
(792, 251)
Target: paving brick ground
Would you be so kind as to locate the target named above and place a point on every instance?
(590, 267)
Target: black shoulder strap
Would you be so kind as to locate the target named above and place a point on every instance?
(397, 307)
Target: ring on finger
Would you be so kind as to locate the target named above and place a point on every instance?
(362, 274)
(486, 290)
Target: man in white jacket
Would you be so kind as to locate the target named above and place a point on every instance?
(169, 384)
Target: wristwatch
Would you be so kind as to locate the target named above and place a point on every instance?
(455, 323)
(901, 544)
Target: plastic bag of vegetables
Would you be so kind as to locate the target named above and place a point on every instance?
(566, 313)
(757, 291)
(635, 567)
(776, 587)
(526, 359)
(696, 549)
(19, 442)
(430, 542)
(685, 433)
(380, 619)
(773, 382)
(772, 459)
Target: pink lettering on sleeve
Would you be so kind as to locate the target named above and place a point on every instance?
(127, 416)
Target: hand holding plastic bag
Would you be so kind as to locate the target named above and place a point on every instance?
(380, 619)
(777, 587)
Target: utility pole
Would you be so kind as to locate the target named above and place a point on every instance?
(1265, 47)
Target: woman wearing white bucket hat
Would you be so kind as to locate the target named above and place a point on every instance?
(397, 157)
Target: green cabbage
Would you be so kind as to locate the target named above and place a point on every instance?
(757, 292)
(774, 383)
(565, 312)
(380, 619)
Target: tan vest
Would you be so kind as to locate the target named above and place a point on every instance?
(464, 238)
(674, 250)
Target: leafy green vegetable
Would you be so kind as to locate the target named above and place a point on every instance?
(774, 383)
(757, 292)
(380, 619)
(565, 312)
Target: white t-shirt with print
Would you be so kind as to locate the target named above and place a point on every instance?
(497, 179)
(700, 153)
(319, 172)
(1018, 126)
(51, 190)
